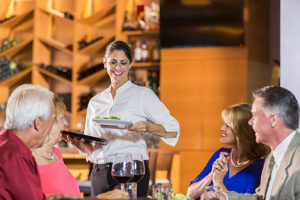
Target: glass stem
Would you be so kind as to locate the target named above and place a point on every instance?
(122, 186)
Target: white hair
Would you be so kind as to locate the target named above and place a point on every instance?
(26, 103)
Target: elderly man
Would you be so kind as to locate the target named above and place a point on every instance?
(275, 120)
(29, 117)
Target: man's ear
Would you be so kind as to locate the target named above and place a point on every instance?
(274, 120)
(37, 124)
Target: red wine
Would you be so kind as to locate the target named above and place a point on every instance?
(137, 178)
(122, 179)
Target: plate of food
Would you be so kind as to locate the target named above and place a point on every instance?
(87, 138)
(112, 122)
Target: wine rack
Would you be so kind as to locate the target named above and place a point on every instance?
(62, 43)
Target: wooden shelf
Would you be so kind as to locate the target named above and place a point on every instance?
(99, 15)
(56, 44)
(93, 78)
(82, 112)
(15, 21)
(14, 79)
(14, 50)
(106, 20)
(96, 46)
(68, 113)
(57, 14)
(145, 64)
(140, 33)
(54, 76)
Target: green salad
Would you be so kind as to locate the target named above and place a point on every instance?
(109, 117)
(181, 197)
(160, 196)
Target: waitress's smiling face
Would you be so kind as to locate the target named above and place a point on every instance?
(118, 66)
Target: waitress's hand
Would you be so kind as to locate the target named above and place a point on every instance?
(139, 127)
(81, 144)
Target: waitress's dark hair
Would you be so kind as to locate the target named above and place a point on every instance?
(120, 46)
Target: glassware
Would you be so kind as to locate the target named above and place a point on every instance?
(139, 172)
(162, 191)
(122, 169)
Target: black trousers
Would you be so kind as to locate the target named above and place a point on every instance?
(102, 180)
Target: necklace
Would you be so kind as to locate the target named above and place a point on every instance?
(238, 165)
(51, 157)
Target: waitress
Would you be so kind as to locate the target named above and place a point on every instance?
(129, 102)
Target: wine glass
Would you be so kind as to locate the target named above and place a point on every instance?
(139, 167)
(122, 169)
(139, 172)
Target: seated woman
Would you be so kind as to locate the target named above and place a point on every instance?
(55, 177)
(238, 168)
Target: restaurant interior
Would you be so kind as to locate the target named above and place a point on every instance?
(198, 56)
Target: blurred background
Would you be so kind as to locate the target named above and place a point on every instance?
(198, 56)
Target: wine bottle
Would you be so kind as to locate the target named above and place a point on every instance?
(156, 52)
(66, 98)
(8, 44)
(138, 51)
(8, 68)
(83, 43)
(145, 55)
(91, 70)
(84, 100)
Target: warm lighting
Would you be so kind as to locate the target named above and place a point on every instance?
(224, 29)
(195, 2)
(87, 11)
(10, 9)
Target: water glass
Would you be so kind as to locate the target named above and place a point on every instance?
(162, 191)
(132, 190)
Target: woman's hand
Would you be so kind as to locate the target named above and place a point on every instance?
(195, 190)
(139, 127)
(219, 170)
(142, 127)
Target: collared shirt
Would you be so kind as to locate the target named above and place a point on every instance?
(19, 176)
(132, 103)
(278, 154)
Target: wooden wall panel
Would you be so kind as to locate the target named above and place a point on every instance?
(196, 85)
(192, 163)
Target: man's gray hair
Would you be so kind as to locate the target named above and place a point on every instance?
(26, 103)
(281, 101)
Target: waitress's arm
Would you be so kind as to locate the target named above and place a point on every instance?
(155, 129)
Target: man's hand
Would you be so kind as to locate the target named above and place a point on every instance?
(114, 194)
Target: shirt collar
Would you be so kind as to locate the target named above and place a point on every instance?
(280, 150)
(123, 87)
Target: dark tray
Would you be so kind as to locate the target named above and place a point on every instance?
(86, 137)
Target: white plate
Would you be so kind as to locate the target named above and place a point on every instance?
(112, 123)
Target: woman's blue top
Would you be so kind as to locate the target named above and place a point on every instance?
(244, 181)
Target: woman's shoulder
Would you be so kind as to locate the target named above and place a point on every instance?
(227, 150)
(216, 155)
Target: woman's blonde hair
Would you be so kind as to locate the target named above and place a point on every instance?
(59, 106)
(238, 116)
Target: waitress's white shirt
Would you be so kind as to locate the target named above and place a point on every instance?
(132, 103)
